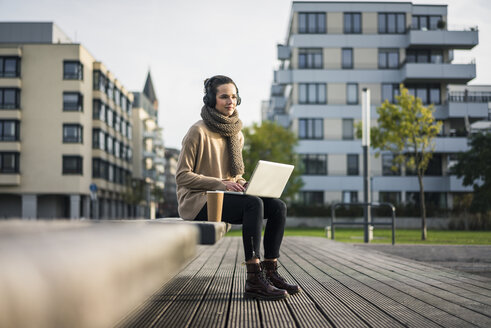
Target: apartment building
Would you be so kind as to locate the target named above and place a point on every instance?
(65, 128)
(169, 207)
(333, 51)
(148, 155)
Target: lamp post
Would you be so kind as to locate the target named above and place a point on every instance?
(365, 114)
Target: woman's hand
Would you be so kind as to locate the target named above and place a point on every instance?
(233, 186)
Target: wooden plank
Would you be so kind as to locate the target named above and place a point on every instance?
(416, 288)
(432, 316)
(154, 308)
(182, 309)
(243, 313)
(366, 309)
(214, 307)
(470, 306)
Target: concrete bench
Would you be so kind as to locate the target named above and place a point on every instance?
(210, 232)
(83, 273)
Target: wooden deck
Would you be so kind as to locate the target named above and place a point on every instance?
(342, 286)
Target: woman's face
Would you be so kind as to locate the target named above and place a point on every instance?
(226, 99)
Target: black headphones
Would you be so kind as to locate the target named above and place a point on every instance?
(210, 96)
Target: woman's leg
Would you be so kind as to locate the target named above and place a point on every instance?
(275, 212)
(248, 211)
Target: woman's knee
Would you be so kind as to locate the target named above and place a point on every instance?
(254, 203)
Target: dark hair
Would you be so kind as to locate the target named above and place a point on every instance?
(211, 87)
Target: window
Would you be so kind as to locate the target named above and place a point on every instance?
(388, 165)
(312, 23)
(9, 162)
(117, 152)
(352, 23)
(425, 22)
(99, 168)
(72, 133)
(391, 23)
(72, 164)
(109, 144)
(117, 122)
(429, 93)
(348, 129)
(310, 58)
(352, 93)
(389, 92)
(99, 110)
(314, 164)
(352, 168)
(73, 101)
(9, 66)
(128, 106)
(99, 81)
(73, 70)
(129, 130)
(9, 130)
(311, 128)
(347, 58)
(110, 172)
(9, 98)
(116, 96)
(350, 196)
(110, 89)
(435, 166)
(124, 103)
(388, 58)
(98, 139)
(312, 197)
(109, 116)
(424, 56)
(312, 93)
(392, 197)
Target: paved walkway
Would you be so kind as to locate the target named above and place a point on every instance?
(343, 286)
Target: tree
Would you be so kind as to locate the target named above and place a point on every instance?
(474, 166)
(407, 129)
(271, 142)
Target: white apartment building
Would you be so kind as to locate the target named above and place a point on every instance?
(333, 51)
(65, 128)
(149, 152)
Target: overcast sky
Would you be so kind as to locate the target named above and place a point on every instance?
(183, 42)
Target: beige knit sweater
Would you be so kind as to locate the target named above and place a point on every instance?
(203, 163)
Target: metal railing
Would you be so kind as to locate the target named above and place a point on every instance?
(375, 204)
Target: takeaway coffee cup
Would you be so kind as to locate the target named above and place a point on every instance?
(214, 205)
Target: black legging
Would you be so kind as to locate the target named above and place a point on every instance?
(250, 212)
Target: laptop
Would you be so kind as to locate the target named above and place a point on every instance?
(267, 180)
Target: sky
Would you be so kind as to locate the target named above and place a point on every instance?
(183, 42)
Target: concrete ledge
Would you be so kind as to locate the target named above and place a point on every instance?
(85, 274)
(210, 232)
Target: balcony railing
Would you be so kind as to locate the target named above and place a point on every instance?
(469, 97)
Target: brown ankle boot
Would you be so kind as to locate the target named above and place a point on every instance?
(271, 271)
(257, 286)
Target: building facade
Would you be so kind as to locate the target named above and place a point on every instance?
(148, 155)
(332, 52)
(169, 208)
(65, 128)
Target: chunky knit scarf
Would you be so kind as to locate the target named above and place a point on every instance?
(228, 127)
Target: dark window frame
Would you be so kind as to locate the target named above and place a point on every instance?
(71, 106)
(9, 170)
(312, 27)
(79, 164)
(315, 164)
(386, 63)
(312, 197)
(3, 65)
(16, 104)
(4, 137)
(310, 128)
(317, 86)
(349, 23)
(77, 75)
(352, 170)
(399, 28)
(356, 101)
(350, 64)
(307, 58)
(79, 139)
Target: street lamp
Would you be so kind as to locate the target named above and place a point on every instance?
(365, 114)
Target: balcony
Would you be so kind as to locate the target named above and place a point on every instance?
(430, 72)
(284, 52)
(149, 154)
(443, 38)
(278, 103)
(451, 144)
